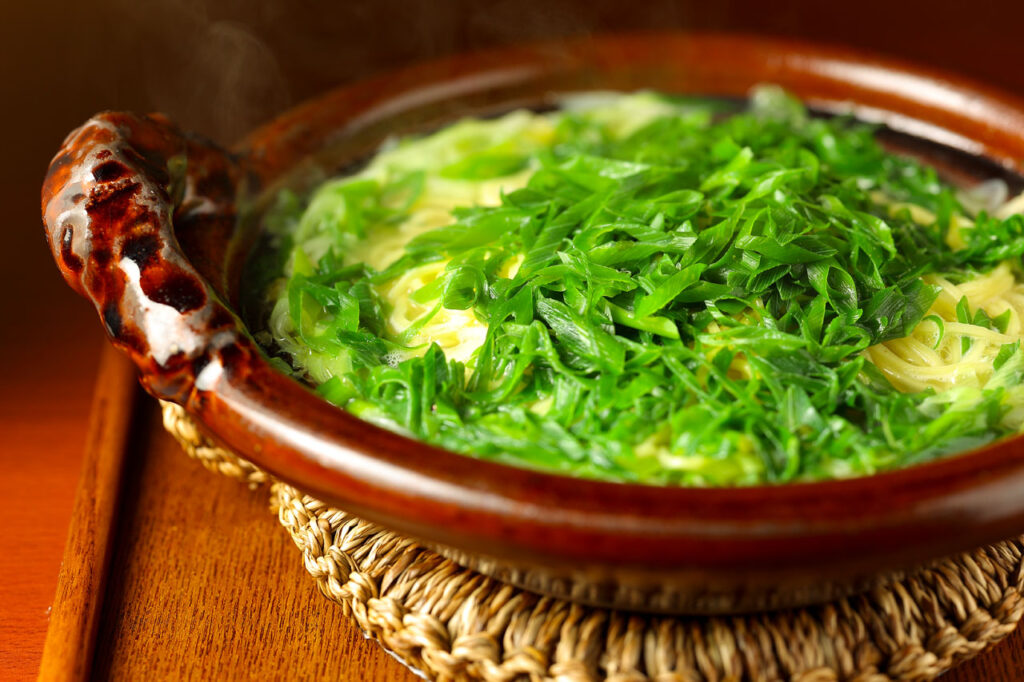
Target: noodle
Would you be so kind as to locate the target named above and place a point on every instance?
(934, 355)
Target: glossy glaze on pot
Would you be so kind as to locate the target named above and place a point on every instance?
(159, 257)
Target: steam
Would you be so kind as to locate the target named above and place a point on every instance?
(212, 76)
(209, 64)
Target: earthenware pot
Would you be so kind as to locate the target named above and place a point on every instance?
(152, 225)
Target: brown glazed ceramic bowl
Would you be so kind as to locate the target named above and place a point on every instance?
(152, 226)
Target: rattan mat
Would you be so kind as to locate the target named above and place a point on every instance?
(449, 622)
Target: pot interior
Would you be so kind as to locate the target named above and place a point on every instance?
(350, 151)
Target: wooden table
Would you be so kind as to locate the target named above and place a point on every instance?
(203, 582)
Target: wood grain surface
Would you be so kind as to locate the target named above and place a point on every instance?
(74, 618)
(49, 347)
(204, 584)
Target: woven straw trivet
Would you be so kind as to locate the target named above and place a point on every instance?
(449, 622)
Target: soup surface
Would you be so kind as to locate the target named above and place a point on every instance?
(656, 289)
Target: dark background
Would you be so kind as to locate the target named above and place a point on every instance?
(222, 66)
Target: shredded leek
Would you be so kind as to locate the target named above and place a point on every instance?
(640, 288)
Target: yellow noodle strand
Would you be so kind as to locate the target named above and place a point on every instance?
(923, 360)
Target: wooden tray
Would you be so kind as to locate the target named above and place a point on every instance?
(173, 572)
(162, 578)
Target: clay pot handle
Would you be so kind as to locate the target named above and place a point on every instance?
(112, 199)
